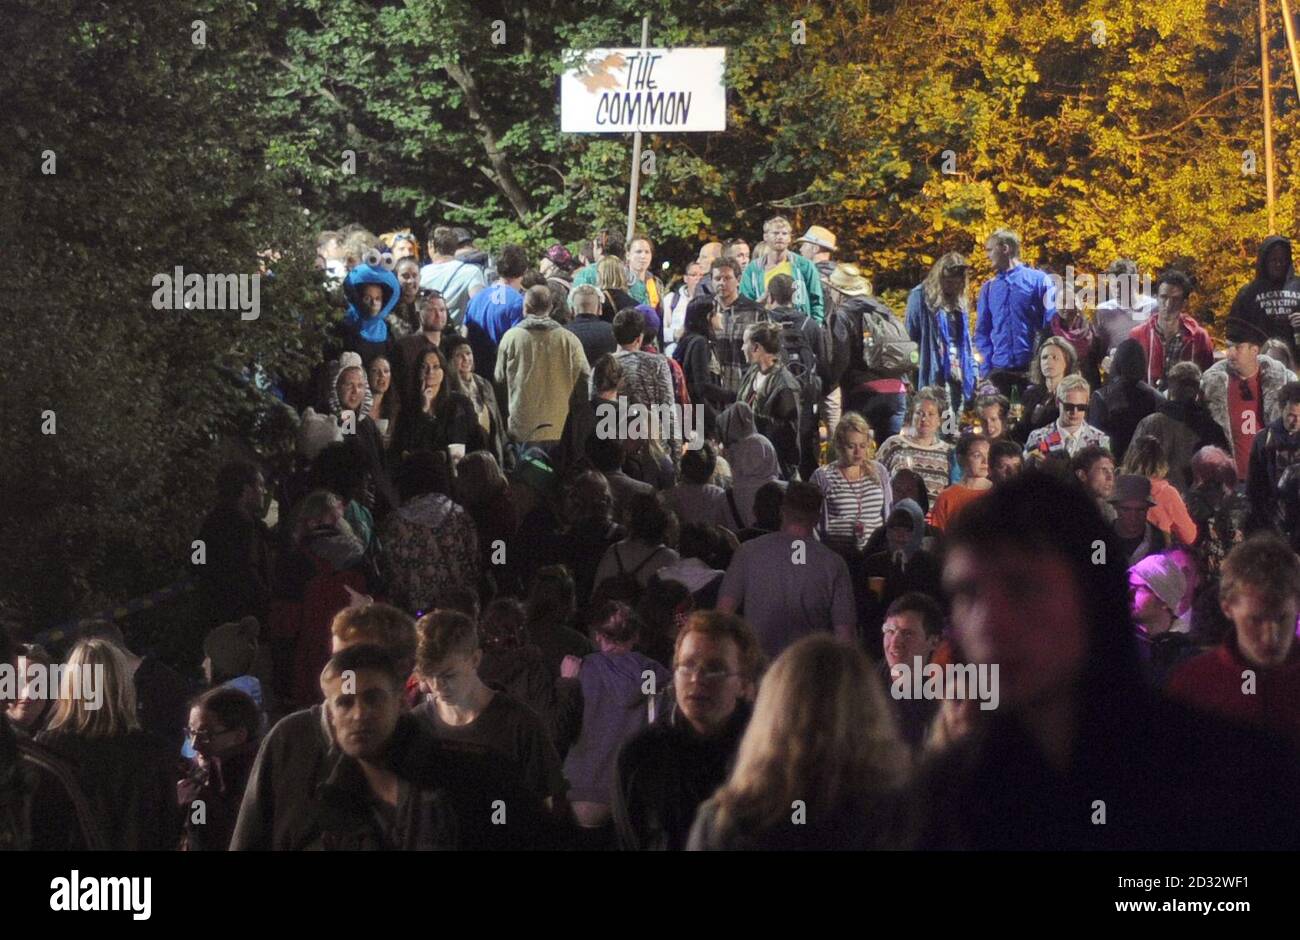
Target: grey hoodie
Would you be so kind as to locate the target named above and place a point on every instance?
(752, 458)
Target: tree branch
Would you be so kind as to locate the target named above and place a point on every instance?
(502, 175)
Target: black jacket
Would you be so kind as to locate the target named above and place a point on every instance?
(42, 806)
(596, 336)
(298, 799)
(1166, 778)
(664, 772)
(1120, 405)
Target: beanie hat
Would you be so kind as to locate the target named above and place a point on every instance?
(232, 648)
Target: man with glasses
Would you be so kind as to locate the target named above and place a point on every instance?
(780, 260)
(665, 771)
(1070, 433)
(1172, 335)
(1242, 391)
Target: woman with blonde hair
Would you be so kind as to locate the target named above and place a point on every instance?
(856, 494)
(128, 776)
(1054, 359)
(938, 320)
(612, 281)
(922, 450)
(821, 762)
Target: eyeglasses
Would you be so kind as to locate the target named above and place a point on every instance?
(701, 674)
(203, 736)
(1066, 406)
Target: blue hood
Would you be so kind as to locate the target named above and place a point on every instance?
(374, 329)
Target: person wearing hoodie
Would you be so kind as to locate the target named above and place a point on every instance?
(1272, 453)
(666, 770)
(1125, 400)
(902, 567)
(1242, 391)
(350, 403)
(1181, 424)
(1077, 732)
(1172, 335)
(614, 707)
(752, 459)
(1271, 301)
(539, 362)
(372, 292)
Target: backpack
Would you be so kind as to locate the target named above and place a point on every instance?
(886, 347)
(624, 586)
(799, 356)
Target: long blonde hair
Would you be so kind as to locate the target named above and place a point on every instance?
(822, 732)
(611, 273)
(932, 286)
(115, 695)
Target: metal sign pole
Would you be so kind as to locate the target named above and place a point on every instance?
(636, 150)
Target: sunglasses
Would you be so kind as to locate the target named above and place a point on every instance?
(1068, 407)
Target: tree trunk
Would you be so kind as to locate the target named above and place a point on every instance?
(504, 176)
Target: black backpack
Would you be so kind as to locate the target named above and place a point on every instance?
(799, 355)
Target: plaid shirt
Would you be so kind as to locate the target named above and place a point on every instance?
(730, 347)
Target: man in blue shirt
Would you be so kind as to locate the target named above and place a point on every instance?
(496, 309)
(1015, 305)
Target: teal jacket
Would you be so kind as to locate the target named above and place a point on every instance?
(807, 284)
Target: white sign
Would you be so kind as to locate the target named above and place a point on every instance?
(625, 90)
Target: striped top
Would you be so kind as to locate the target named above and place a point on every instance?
(852, 509)
(932, 463)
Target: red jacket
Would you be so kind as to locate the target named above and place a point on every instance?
(1198, 347)
(1213, 682)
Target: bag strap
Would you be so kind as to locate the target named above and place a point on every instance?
(646, 560)
(735, 510)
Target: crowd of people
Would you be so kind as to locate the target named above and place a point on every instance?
(568, 557)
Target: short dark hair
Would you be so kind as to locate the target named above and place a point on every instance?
(512, 262)
(1289, 394)
(365, 656)
(781, 289)
(233, 708)
(698, 465)
(1184, 380)
(605, 453)
(607, 373)
(629, 325)
(1004, 448)
(423, 472)
(532, 278)
(725, 262)
(649, 519)
(1178, 279)
(967, 441)
(802, 503)
(611, 243)
(444, 240)
(925, 605)
(1082, 461)
(233, 477)
(698, 314)
(615, 621)
(340, 468)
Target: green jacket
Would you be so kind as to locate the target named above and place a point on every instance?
(807, 284)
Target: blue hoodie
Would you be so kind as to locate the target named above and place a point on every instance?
(370, 329)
